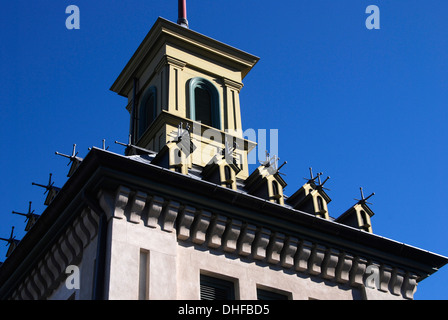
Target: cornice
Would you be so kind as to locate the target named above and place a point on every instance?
(168, 60)
(167, 118)
(261, 243)
(244, 225)
(67, 249)
(166, 32)
(232, 84)
(144, 176)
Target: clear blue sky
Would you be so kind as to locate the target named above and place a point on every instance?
(366, 107)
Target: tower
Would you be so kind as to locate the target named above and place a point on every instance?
(179, 78)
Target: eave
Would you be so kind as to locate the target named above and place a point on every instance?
(104, 170)
(164, 31)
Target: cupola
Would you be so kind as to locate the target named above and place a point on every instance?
(311, 197)
(359, 215)
(223, 168)
(175, 154)
(265, 181)
(178, 75)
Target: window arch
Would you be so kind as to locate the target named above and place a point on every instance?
(147, 111)
(228, 176)
(204, 102)
(320, 203)
(275, 191)
(178, 160)
(365, 223)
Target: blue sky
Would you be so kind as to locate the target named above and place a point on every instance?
(366, 107)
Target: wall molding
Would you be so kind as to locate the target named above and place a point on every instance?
(217, 231)
(49, 271)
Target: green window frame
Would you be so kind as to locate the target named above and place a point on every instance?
(204, 103)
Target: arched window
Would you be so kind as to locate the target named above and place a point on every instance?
(275, 192)
(147, 111)
(177, 161)
(320, 203)
(365, 224)
(228, 177)
(204, 102)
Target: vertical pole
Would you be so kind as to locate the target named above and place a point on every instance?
(182, 16)
(134, 115)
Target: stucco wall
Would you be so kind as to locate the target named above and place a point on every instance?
(174, 269)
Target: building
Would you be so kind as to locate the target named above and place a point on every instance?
(179, 216)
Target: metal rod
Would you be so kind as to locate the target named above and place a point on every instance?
(133, 131)
(11, 237)
(282, 165)
(29, 214)
(129, 145)
(182, 13)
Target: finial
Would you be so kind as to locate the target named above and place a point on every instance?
(267, 162)
(228, 150)
(11, 242)
(312, 180)
(104, 145)
(364, 200)
(129, 145)
(27, 215)
(31, 217)
(74, 160)
(11, 238)
(181, 131)
(47, 187)
(182, 16)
